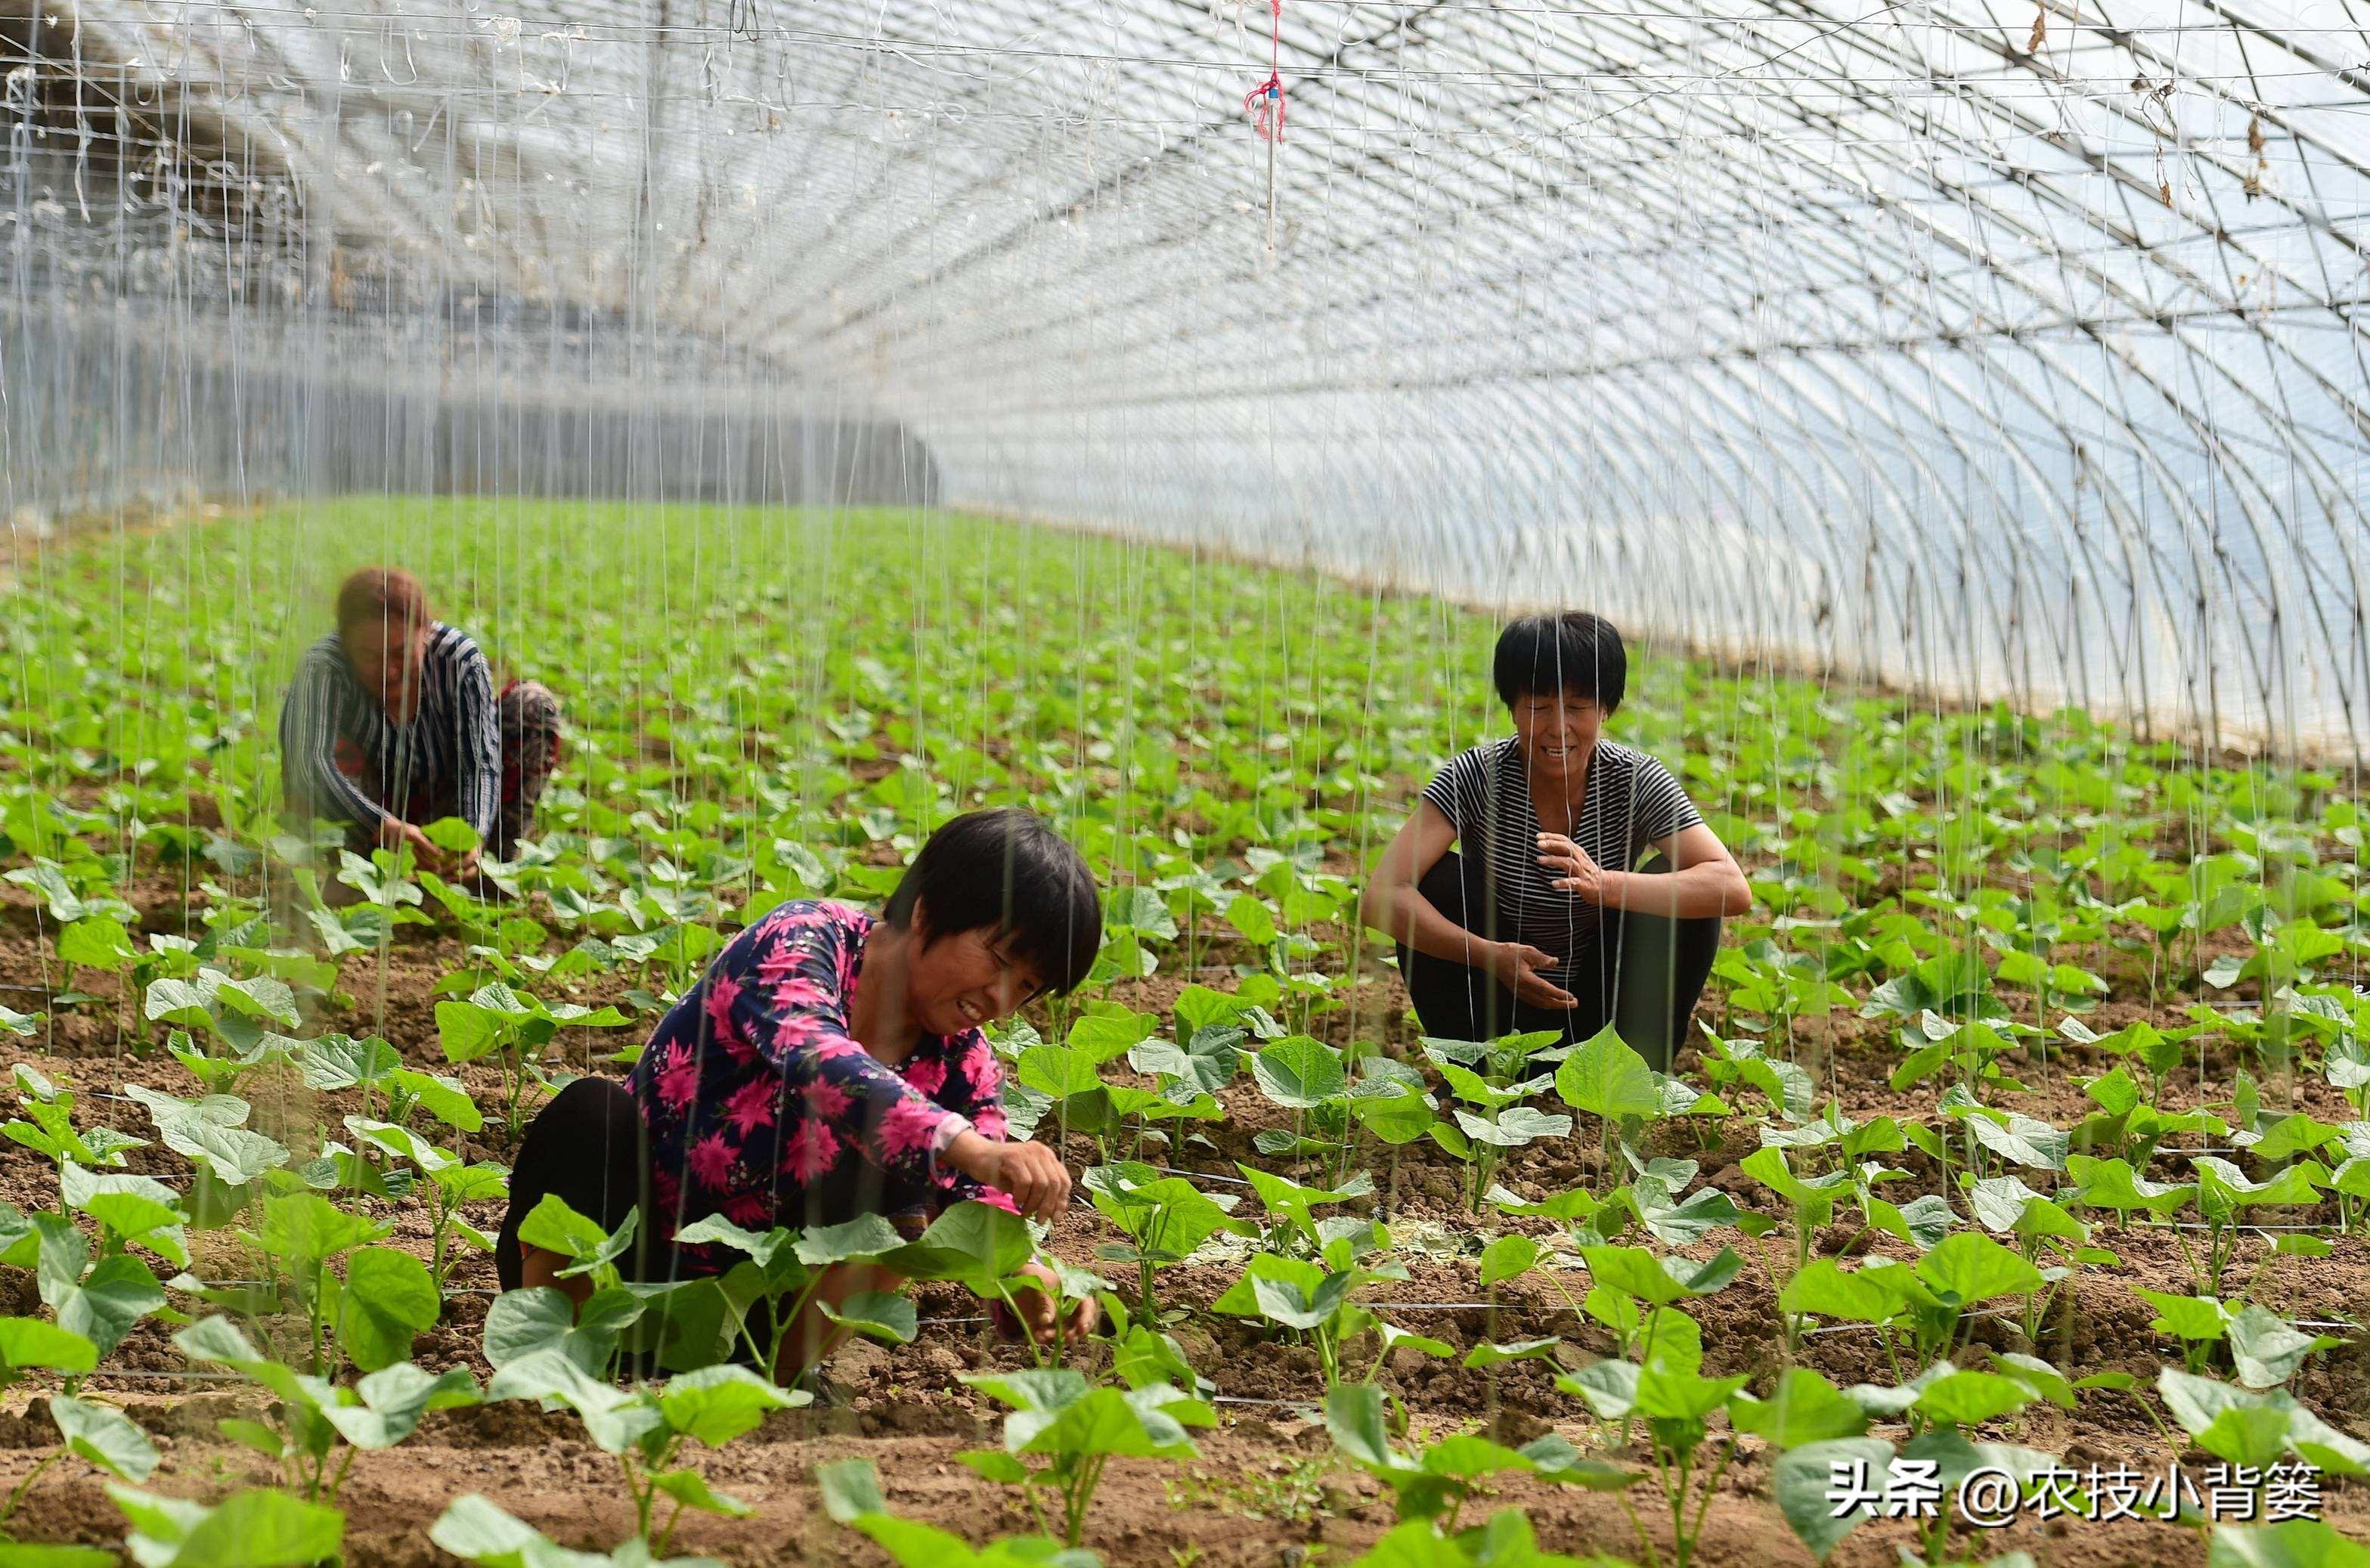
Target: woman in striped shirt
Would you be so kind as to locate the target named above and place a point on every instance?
(1548, 921)
(393, 723)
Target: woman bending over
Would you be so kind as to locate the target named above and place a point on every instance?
(1548, 921)
(830, 1064)
(393, 722)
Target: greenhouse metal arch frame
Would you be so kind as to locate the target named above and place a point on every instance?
(2016, 351)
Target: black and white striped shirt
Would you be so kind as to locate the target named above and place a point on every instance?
(1631, 801)
(450, 754)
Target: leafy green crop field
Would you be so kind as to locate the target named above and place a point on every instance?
(2024, 1136)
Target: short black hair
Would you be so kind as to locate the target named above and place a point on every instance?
(1008, 870)
(1575, 653)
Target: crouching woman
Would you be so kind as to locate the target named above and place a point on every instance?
(831, 1063)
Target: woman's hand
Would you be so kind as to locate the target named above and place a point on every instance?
(1569, 868)
(1038, 1311)
(394, 834)
(1030, 1174)
(1517, 967)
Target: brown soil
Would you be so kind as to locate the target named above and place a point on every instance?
(1264, 1489)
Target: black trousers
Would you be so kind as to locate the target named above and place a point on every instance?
(1643, 974)
(590, 1147)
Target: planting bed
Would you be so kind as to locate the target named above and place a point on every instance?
(2027, 1013)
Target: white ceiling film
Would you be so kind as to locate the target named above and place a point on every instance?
(2011, 349)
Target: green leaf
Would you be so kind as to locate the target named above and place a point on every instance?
(867, 1236)
(716, 1404)
(1167, 1217)
(1506, 1258)
(1487, 1354)
(453, 835)
(1665, 1393)
(1804, 1407)
(1299, 1073)
(1516, 1127)
(1394, 1119)
(2292, 1543)
(219, 1339)
(996, 1465)
(34, 1554)
(1922, 1222)
(2287, 1137)
(2023, 1141)
(1802, 1480)
(1609, 1388)
(1965, 1399)
(1467, 1457)
(2294, 1185)
(1057, 1070)
(972, 1243)
(1288, 1302)
(1357, 1420)
(690, 1489)
(1824, 1289)
(388, 1299)
(875, 1314)
(476, 1531)
(403, 1143)
(96, 941)
(30, 1343)
(2112, 1184)
(1689, 1222)
(521, 1323)
(1250, 915)
(117, 1293)
(393, 1400)
(2266, 1348)
(176, 1002)
(2246, 1434)
(1108, 1031)
(616, 1420)
(468, 1031)
(441, 1097)
(247, 1530)
(850, 1489)
(261, 997)
(104, 1436)
(1604, 1077)
(555, 1227)
(306, 1227)
(1658, 1282)
(2045, 1380)
(1974, 1268)
(2186, 1317)
(2194, 1402)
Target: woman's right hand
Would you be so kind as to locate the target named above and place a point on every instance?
(1030, 1174)
(1518, 966)
(394, 833)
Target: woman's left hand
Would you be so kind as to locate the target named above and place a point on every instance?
(1040, 1309)
(1570, 869)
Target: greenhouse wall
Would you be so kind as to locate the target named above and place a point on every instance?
(113, 406)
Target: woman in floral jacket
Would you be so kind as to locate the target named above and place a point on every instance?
(831, 1063)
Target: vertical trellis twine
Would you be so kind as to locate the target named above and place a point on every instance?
(1265, 104)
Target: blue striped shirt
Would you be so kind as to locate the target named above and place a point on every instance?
(450, 750)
